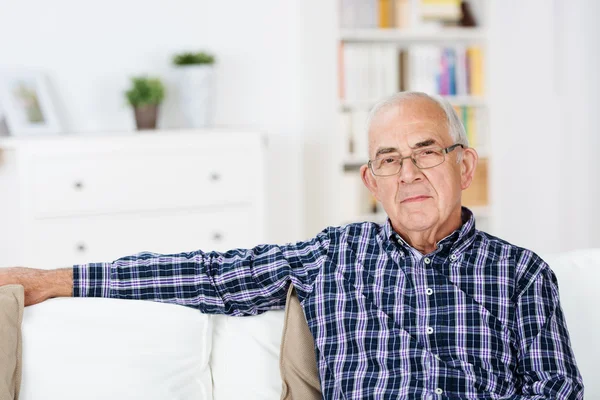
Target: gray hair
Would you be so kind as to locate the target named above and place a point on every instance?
(455, 125)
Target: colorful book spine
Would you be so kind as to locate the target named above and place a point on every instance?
(451, 58)
(472, 126)
(465, 120)
(468, 117)
(401, 14)
(475, 62)
(385, 13)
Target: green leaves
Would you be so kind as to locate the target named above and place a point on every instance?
(145, 91)
(193, 58)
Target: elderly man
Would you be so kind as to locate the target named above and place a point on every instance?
(423, 306)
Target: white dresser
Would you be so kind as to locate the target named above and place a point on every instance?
(77, 199)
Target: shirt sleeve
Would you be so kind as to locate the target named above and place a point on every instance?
(236, 282)
(546, 362)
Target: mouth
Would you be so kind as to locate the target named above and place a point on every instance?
(415, 199)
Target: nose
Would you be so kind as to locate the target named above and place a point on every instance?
(409, 172)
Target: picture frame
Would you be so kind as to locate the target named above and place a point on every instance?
(26, 104)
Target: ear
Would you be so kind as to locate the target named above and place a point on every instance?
(468, 164)
(369, 180)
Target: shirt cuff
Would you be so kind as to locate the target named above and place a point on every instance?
(91, 280)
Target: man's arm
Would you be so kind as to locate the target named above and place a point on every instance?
(237, 282)
(546, 362)
(39, 284)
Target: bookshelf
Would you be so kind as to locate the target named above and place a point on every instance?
(407, 36)
(428, 56)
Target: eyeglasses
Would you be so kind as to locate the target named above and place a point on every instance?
(422, 158)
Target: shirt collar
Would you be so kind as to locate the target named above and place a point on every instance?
(457, 240)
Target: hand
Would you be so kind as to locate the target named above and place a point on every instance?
(39, 284)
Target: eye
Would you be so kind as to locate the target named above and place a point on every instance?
(389, 160)
(428, 152)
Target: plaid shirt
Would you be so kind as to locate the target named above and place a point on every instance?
(478, 318)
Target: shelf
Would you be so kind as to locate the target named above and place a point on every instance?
(352, 164)
(403, 36)
(467, 101)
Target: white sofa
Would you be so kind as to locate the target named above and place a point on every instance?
(117, 349)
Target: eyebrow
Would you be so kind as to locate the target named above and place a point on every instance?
(387, 150)
(424, 143)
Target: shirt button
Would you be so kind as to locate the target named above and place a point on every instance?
(437, 357)
(429, 291)
(453, 257)
(439, 391)
(427, 260)
(429, 330)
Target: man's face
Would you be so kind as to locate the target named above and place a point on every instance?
(417, 199)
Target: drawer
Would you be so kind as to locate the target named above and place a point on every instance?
(66, 241)
(96, 183)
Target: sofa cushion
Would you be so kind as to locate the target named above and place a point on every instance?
(245, 356)
(578, 274)
(298, 365)
(75, 348)
(11, 314)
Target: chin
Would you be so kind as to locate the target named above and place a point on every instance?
(417, 220)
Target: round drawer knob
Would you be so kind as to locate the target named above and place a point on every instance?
(78, 185)
(215, 177)
(81, 247)
(217, 237)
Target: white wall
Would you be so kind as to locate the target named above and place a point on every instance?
(544, 122)
(90, 49)
(524, 119)
(579, 87)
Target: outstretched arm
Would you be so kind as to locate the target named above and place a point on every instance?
(237, 282)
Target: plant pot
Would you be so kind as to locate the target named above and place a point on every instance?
(145, 116)
(195, 87)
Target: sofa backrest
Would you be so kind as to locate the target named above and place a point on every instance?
(578, 274)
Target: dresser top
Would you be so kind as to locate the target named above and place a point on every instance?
(150, 137)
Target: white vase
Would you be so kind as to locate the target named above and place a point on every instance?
(195, 86)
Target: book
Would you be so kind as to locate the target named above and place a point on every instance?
(402, 16)
(475, 63)
(446, 11)
(385, 13)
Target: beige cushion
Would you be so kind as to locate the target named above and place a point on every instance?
(11, 316)
(298, 365)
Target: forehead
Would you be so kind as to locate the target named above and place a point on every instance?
(409, 123)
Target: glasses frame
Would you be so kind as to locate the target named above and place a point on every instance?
(411, 156)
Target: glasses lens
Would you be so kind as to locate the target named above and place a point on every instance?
(389, 165)
(428, 158)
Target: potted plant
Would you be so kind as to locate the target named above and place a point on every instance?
(195, 72)
(145, 95)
